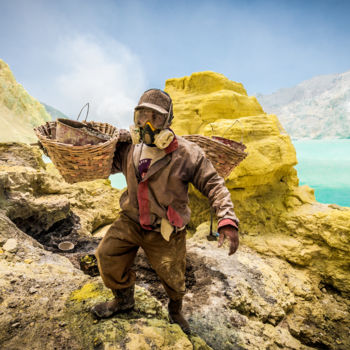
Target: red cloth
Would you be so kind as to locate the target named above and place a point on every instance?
(227, 222)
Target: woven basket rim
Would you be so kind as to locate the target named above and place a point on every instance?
(230, 156)
(217, 144)
(69, 146)
(53, 142)
(80, 163)
(207, 138)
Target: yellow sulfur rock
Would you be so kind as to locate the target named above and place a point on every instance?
(157, 338)
(224, 109)
(277, 216)
(205, 98)
(19, 112)
(89, 291)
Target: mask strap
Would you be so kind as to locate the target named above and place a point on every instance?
(167, 121)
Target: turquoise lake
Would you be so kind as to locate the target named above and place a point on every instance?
(118, 181)
(324, 165)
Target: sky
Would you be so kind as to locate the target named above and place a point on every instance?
(107, 52)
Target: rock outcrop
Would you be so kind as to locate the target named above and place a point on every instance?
(277, 216)
(19, 112)
(35, 197)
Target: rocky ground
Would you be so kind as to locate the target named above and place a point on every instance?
(240, 302)
(45, 304)
(246, 301)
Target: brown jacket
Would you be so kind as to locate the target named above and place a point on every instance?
(163, 192)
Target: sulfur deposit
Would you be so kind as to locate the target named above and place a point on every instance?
(19, 112)
(278, 217)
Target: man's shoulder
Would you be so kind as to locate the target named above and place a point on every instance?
(188, 147)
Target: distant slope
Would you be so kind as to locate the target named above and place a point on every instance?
(19, 112)
(55, 113)
(316, 108)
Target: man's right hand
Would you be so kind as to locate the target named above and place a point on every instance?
(231, 233)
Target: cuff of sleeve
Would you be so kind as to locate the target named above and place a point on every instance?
(225, 222)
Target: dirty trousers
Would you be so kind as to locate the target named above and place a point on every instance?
(117, 250)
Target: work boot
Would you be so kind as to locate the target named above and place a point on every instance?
(123, 301)
(176, 316)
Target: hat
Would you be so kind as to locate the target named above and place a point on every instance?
(157, 100)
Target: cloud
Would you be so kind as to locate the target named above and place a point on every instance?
(100, 71)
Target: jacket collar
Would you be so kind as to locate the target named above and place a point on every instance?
(173, 146)
(159, 164)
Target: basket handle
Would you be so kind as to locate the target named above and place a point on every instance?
(87, 112)
(237, 120)
(212, 129)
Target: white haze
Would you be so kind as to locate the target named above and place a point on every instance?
(104, 73)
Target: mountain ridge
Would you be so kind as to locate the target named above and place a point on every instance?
(54, 112)
(317, 108)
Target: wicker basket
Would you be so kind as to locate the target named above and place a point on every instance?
(223, 153)
(80, 163)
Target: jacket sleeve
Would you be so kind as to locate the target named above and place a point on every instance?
(212, 185)
(119, 158)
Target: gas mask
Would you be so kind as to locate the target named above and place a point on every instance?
(148, 133)
(150, 128)
(150, 136)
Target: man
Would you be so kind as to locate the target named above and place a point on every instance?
(158, 167)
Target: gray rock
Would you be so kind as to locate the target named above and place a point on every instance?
(11, 245)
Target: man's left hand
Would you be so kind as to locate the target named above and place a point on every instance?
(231, 233)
